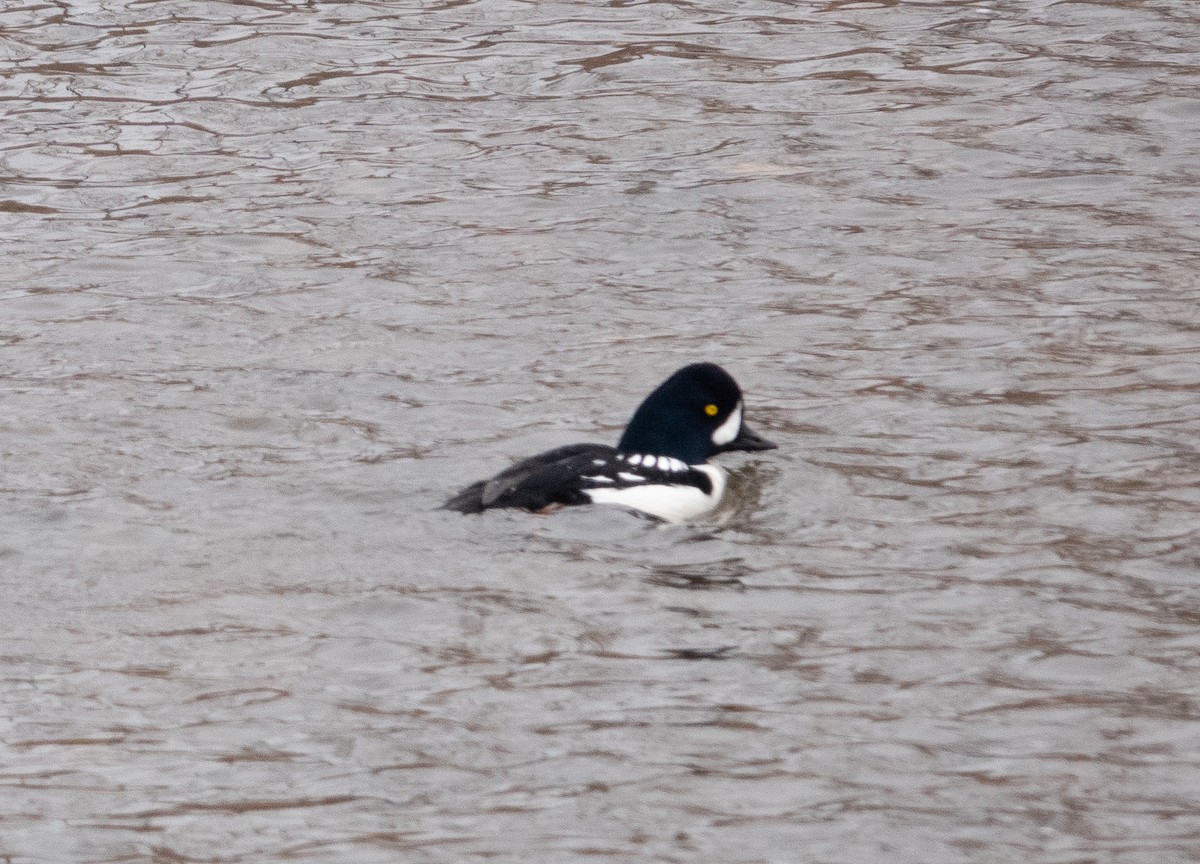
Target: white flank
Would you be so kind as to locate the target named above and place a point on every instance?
(728, 430)
(673, 503)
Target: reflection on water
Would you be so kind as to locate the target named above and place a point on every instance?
(278, 277)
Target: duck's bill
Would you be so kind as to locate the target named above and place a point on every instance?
(749, 440)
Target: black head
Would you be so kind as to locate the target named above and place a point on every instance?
(693, 415)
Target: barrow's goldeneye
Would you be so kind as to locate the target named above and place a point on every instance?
(659, 467)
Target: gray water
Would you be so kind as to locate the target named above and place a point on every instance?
(279, 277)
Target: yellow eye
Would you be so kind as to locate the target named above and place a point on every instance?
(711, 410)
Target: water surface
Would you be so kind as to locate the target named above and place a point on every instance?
(278, 277)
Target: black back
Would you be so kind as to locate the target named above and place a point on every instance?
(553, 477)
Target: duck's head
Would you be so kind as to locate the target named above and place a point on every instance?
(693, 415)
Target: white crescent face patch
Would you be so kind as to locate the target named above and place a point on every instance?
(728, 430)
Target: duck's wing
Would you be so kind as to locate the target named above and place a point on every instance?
(553, 477)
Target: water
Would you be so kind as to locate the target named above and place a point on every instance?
(279, 277)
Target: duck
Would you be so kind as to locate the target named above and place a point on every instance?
(660, 466)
